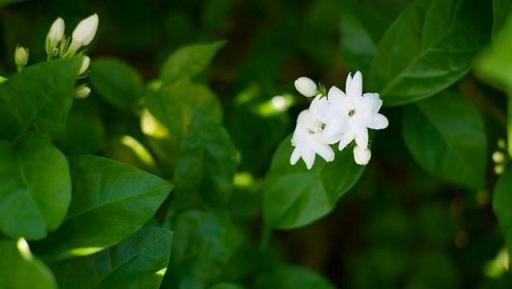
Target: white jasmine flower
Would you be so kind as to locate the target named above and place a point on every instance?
(82, 91)
(86, 60)
(362, 155)
(306, 86)
(56, 32)
(355, 113)
(84, 32)
(308, 140)
(21, 57)
(338, 118)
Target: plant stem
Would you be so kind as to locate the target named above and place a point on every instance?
(509, 125)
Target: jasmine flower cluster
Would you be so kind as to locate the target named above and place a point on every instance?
(338, 118)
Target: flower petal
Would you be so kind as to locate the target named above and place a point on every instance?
(335, 95)
(379, 121)
(323, 150)
(354, 86)
(361, 137)
(373, 100)
(294, 158)
(320, 109)
(308, 156)
(345, 139)
(336, 125)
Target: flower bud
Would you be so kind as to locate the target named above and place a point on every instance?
(306, 86)
(56, 32)
(362, 155)
(498, 157)
(85, 31)
(499, 169)
(21, 57)
(82, 91)
(86, 60)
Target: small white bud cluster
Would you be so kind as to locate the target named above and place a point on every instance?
(500, 157)
(59, 46)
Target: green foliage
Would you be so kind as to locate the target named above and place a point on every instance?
(204, 244)
(186, 63)
(40, 96)
(292, 277)
(85, 193)
(295, 196)
(103, 187)
(501, 205)
(502, 9)
(225, 286)
(495, 63)
(429, 47)
(117, 83)
(207, 162)
(139, 262)
(446, 136)
(20, 270)
(35, 187)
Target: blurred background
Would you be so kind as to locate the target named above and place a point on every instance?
(398, 228)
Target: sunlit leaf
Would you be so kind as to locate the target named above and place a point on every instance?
(20, 270)
(110, 202)
(139, 262)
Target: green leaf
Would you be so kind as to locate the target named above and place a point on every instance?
(39, 96)
(139, 262)
(226, 286)
(9, 2)
(204, 243)
(85, 131)
(35, 187)
(295, 196)
(110, 202)
(356, 44)
(117, 83)
(495, 63)
(362, 25)
(207, 162)
(502, 11)
(502, 204)
(168, 114)
(446, 136)
(188, 62)
(173, 106)
(292, 277)
(429, 47)
(20, 270)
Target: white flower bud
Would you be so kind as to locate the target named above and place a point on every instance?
(21, 57)
(56, 32)
(86, 60)
(85, 31)
(498, 157)
(82, 91)
(362, 155)
(306, 86)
